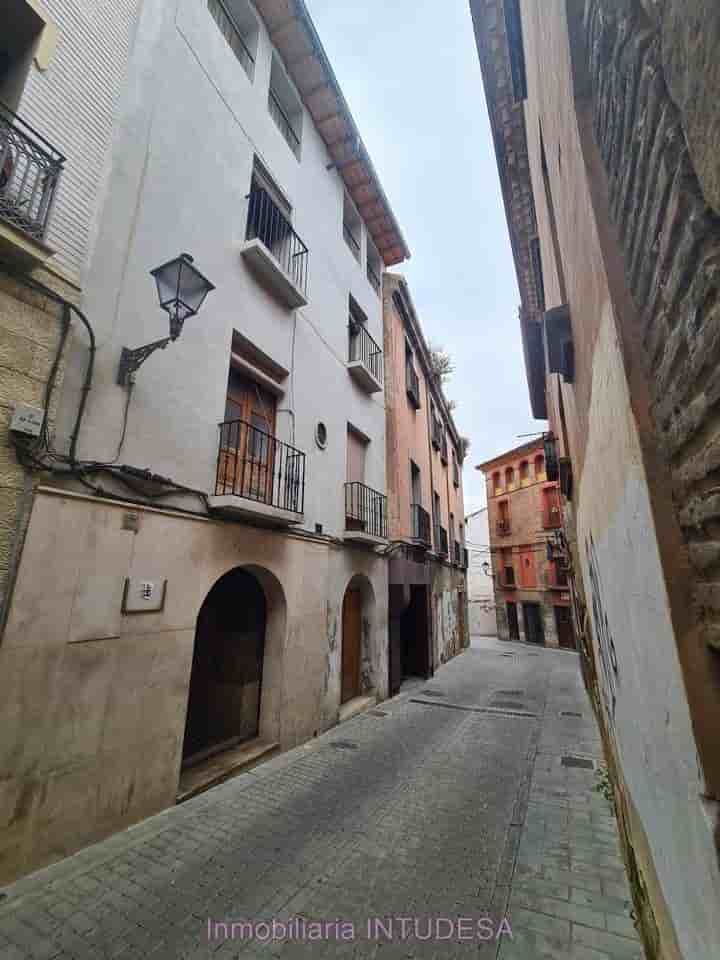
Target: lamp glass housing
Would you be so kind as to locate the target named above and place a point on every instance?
(181, 289)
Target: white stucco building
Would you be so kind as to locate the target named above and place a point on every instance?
(481, 595)
(213, 534)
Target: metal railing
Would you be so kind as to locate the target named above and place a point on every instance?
(256, 466)
(351, 240)
(503, 527)
(436, 433)
(373, 278)
(412, 384)
(465, 558)
(420, 523)
(30, 169)
(267, 222)
(441, 540)
(365, 509)
(233, 35)
(283, 122)
(457, 555)
(364, 349)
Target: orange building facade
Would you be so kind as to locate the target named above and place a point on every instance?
(532, 592)
(428, 622)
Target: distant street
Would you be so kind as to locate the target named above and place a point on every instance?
(449, 801)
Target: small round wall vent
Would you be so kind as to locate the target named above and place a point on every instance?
(321, 435)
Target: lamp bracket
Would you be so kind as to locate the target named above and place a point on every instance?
(132, 360)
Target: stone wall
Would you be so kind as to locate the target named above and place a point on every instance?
(31, 327)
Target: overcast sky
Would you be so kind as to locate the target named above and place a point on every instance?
(410, 73)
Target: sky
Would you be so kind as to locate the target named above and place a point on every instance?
(410, 73)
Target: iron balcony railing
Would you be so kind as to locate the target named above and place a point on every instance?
(365, 509)
(266, 222)
(230, 30)
(420, 523)
(30, 169)
(503, 527)
(364, 349)
(441, 540)
(436, 433)
(457, 557)
(465, 558)
(351, 240)
(412, 384)
(256, 466)
(373, 278)
(283, 122)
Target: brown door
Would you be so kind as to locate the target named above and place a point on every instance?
(513, 624)
(247, 457)
(565, 631)
(351, 644)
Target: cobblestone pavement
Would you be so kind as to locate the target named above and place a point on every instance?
(449, 800)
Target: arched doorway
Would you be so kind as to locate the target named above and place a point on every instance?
(226, 677)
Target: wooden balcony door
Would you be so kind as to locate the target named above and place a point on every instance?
(249, 451)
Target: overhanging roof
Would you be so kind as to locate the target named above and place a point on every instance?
(296, 40)
(507, 122)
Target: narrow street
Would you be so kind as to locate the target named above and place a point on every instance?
(450, 800)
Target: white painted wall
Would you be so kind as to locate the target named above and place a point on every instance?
(481, 595)
(190, 123)
(73, 104)
(639, 672)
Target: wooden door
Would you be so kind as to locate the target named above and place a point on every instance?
(247, 458)
(564, 625)
(513, 623)
(351, 645)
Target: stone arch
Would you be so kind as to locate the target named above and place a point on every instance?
(360, 585)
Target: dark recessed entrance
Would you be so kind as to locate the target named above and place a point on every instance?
(532, 617)
(226, 678)
(415, 635)
(513, 624)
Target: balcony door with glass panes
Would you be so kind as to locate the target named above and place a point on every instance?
(249, 452)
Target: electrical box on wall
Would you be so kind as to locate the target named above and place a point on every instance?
(27, 420)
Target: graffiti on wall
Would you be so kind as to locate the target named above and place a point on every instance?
(603, 633)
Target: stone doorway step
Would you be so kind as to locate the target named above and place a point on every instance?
(222, 766)
(355, 706)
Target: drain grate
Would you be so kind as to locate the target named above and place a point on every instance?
(570, 713)
(511, 693)
(343, 745)
(433, 693)
(507, 704)
(582, 762)
(376, 713)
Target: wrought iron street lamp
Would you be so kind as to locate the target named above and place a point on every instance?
(181, 290)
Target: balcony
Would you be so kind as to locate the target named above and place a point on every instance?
(274, 251)
(436, 433)
(412, 384)
(365, 364)
(258, 476)
(444, 449)
(365, 514)
(465, 558)
(508, 579)
(456, 473)
(503, 528)
(552, 517)
(420, 524)
(556, 577)
(441, 540)
(30, 169)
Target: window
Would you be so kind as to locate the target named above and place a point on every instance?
(509, 478)
(238, 25)
(551, 517)
(374, 266)
(524, 472)
(513, 28)
(19, 38)
(496, 482)
(352, 227)
(539, 467)
(508, 570)
(415, 488)
(412, 383)
(285, 106)
(537, 271)
(527, 568)
(503, 523)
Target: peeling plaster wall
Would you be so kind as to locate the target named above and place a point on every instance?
(634, 645)
(449, 612)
